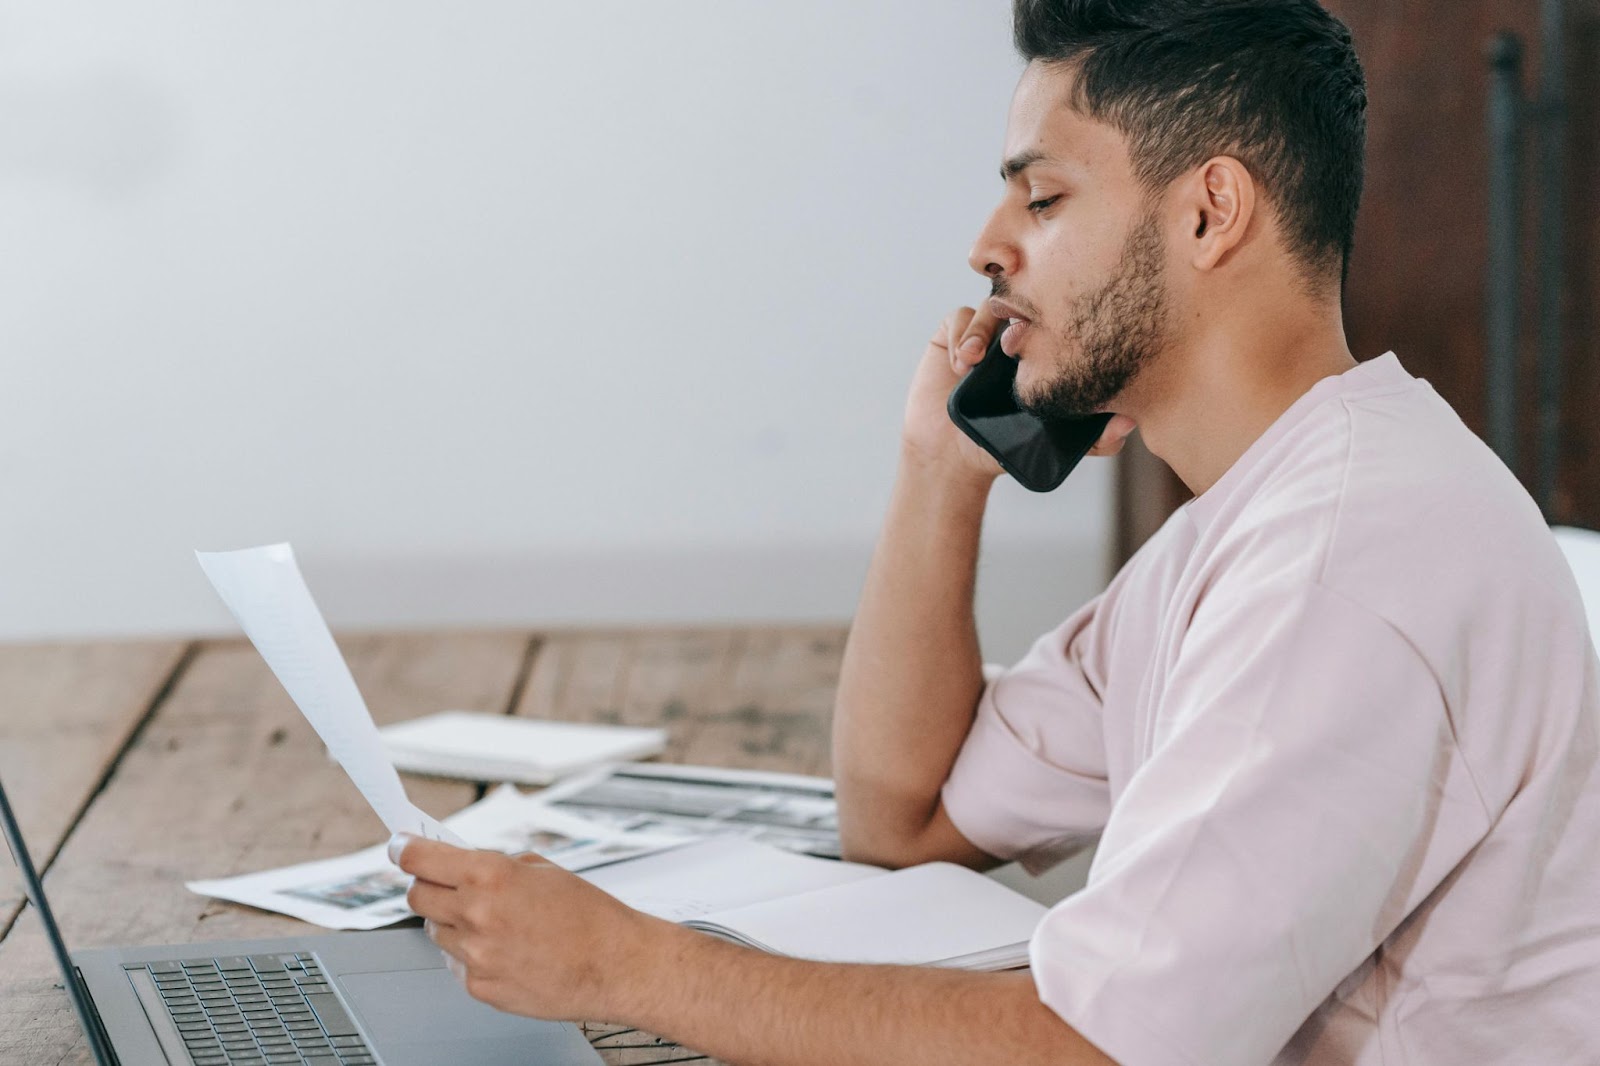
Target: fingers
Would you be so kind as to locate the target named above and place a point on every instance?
(970, 344)
(964, 335)
(450, 941)
(432, 860)
(1114, 436)
(436, 903)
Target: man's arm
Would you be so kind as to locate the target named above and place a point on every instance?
(912, 673)
(911, 676)
(744, 1006)
(530, 938)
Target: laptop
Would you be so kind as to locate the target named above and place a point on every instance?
(339, 999)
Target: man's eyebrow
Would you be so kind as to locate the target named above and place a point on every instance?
(1020, 162)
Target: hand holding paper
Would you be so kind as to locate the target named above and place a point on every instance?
(265, 591)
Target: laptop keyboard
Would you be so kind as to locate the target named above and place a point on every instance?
(259, 1009)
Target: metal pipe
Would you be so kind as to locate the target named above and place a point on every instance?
(1552, 111)
(1501, 317)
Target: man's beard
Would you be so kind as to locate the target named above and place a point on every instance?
(1118, 330)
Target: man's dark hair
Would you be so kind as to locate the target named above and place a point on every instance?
(1274, 83)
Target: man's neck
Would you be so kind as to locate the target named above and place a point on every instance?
(1208, 403)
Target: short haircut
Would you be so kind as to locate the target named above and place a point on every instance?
(1273, 83)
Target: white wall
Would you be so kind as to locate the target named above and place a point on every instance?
(501, 311)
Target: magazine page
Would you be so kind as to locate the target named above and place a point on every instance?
(364, 890)
(789, 811)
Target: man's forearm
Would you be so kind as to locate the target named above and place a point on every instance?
(912, 671)
(744, 1006)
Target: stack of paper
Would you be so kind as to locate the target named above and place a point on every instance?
(492, 747)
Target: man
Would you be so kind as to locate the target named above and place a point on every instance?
(1335, 727)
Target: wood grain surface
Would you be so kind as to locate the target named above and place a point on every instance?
(138, 767)
(66, 713)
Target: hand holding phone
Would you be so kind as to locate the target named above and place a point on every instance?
(1038, 452)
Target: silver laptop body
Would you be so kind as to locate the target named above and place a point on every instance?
(339, 999)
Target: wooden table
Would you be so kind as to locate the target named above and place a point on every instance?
(136, 766)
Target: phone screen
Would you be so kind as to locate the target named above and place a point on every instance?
(1038, 452)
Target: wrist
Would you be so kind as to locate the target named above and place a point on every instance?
(643, 969)
(961, 485)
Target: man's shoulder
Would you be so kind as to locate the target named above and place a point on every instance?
(1384, 498)
(1427, 507)
(1416, 521)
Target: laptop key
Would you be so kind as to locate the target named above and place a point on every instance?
(331, 1013)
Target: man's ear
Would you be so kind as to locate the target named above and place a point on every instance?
(1218, 202)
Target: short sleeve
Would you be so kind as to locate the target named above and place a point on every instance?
(1304, 794)
(1030, 780)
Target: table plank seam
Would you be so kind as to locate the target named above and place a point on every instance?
(519, 684)
(43, 863)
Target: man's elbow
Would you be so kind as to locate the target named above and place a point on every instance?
(887, 854)
(876, 845)
(935, 839)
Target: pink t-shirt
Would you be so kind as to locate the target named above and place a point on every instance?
(1337, 730)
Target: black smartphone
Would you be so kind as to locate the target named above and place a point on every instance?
(1039, 452)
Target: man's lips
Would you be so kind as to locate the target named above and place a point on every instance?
(1002, 310)
(1011, 339)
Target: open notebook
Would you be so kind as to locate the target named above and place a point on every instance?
(937, 914)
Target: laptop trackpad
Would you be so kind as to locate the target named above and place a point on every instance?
(425, 1017)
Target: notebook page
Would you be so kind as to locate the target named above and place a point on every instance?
(922, 915)
(715, 875)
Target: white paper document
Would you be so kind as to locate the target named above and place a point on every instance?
(364, 890)
(266, 593)
(493, 747)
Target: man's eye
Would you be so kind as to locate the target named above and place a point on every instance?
(1040, 205)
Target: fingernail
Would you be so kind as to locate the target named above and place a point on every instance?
(972, 344)
(397, 844)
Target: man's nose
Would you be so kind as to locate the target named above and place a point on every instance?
(992, 254)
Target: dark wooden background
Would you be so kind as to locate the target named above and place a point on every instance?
(1418, 276)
